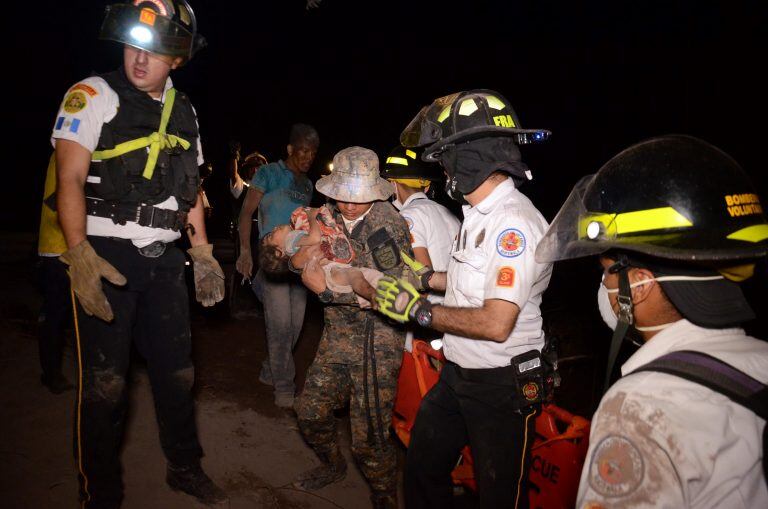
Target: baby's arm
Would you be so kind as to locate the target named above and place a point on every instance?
(304, 254)
(315, 234)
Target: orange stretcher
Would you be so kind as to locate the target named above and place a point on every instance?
(557, 453)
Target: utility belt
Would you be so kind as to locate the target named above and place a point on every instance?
(143, 215)
(153, 250)
(532, 375)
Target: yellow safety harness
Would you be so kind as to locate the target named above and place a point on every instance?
(156, 141)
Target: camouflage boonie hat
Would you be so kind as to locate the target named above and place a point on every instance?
(355, 177)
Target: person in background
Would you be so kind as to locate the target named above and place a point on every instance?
(276, 190)
(433, 227)
(206, 170)
(54, 284)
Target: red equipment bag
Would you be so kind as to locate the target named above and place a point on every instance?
(557, 454)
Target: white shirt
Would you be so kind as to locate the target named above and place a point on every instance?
(661, 441)
(493, 259)
(237, 186)
(434, 228)
(98, 104)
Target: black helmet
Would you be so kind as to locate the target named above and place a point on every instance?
(405, 164)
(672, 197)
(165, 27)
(466, 116)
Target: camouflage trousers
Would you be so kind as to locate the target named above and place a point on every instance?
(331, 386)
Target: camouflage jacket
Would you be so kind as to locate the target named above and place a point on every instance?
(377, 241)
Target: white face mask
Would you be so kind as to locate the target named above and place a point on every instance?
(609, 315)
(606, 310)
(396, 202)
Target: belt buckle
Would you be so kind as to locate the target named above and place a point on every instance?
(153, 250)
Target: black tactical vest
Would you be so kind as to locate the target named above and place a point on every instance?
(138, 115)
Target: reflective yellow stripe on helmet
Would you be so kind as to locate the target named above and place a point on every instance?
(397, 160)
(420, 182)
(411, 154)
(754, 233)
(155, 141)
(444, 114)
(613, 225)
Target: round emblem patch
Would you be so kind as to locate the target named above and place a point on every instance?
(531, 391)
(617, 467)
(510, 243)
(75, 102)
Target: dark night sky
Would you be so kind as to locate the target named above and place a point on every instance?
(601, 75)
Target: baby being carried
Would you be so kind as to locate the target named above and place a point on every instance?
(313, 233)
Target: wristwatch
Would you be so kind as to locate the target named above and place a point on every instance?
(325, 296)
(422, 312)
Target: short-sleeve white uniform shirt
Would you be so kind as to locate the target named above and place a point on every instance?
(433, 227)
(493, 258)
(660, 441)
(86, 107)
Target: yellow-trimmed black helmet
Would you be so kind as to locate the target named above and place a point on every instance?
(673, 197)
(466, 116)
(405, 165)
(165, 27)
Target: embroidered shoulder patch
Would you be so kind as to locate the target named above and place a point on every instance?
(75, 102)
(616, 468)
(505, 277)
(510, 243)
(85, 88)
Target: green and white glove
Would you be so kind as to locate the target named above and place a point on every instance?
(398, 299)
(421, 271)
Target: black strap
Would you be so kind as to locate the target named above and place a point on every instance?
(720, 377)
(504, 375)
(144, 215)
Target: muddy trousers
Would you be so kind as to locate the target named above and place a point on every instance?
(329, 387)
(457, 412)
(55, 314)
(284, 305)
(152, 312)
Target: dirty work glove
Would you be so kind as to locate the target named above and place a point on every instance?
(86, 269)
(209, 278)
(421, 271)
(398, 299)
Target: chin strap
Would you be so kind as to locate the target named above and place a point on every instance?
(626, 318)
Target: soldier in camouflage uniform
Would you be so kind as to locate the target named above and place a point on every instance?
(360, 351)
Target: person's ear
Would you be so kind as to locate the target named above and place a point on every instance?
(641, 292)
(177, 62)
(289, 149)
